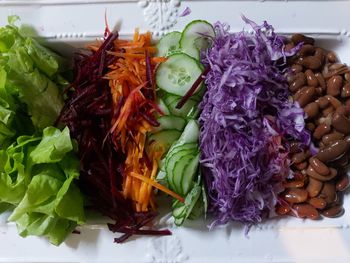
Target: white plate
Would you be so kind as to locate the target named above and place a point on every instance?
(283, 240)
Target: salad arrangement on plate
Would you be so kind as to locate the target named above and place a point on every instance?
(240, 126)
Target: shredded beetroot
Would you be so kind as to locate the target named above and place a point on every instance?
(88, 114)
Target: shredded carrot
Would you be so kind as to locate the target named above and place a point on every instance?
(134, 110)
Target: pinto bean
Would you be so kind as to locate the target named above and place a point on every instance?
(334, 85)
(333, 151)
(342, 183)
(331, 57)
(321, 130)
(310, 62)
(328, 192)
(295, 195)
(306, 211)
(312, 173)
(296, 68)
(321, 80)
(322, 102)
(319, 166)
(331, 137)
(345, 91)
(282, 210)
(310, 78)
(334, 211)
(300, 157)
(341, 120)
(311, 109)
(298, 82)
(306, 96)
(317, 202)
(298, 38)
(314, 187)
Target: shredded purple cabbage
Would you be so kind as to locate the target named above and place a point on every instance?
(246, 121)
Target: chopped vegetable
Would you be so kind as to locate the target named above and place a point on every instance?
(246, 120)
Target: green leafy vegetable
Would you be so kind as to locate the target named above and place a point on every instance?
(29, 78)
(37, 177)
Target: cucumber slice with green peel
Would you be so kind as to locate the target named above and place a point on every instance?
(188, 174)
(179, 147)
(186, 108)
(170, 123)
(196, 36)
(190, 133)
(170, 166)
(197, 210)
(165, 138)
(169, 44)
(179, 212)
(190, 201)
(178, 73)
(179, 170)
(163, 107)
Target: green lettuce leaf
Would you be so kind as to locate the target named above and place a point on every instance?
(32, 77)
(37, 176)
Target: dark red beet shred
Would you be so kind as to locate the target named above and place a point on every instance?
(88, 114)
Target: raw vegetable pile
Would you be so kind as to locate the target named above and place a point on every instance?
(204, 117)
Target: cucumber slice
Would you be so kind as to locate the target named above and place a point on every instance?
(188, 175)
(178, 73)
(179, 147)
(179, 169)
(169, 44)
(196, 36)
(163, 107)
(190, 202)
(170, 123)
(165, 138)
(190, 133)
(170, 165)
(185, 110)
(197, 210)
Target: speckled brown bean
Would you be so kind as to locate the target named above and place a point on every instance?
(331, 137)
(327, 111)
(319, 166)
(314, 187)
(300, 166)
(328, 192)
(300, 157)
(306, 50)
(347, 103)
(297, 38)
(342, 183)
(296, 68)
(295, 195)
(298, 82)
(282, 210)
(317, 202)
(321, 130)
(294, 147)
(312, 173)
(334, 85)
(347, 139)
(322, 102)
(320, 53)
(306, 96)
(331, 57)
(306, 211)
(334, 211)
(345, 91)
(333, 151)
(347, 76)
(294, 184)
(310, 126)
(333, 101)
(341, 162)
(310, 78)
(321, 80)
(341, 120)
(311, 109)
(310, 62)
